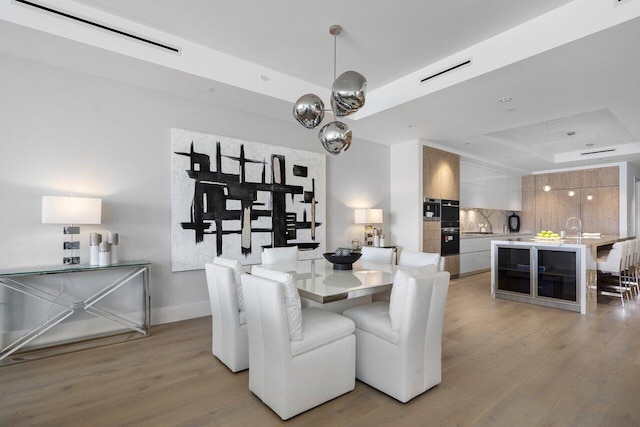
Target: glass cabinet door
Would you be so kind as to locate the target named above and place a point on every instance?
(557, 274)
(514, 270)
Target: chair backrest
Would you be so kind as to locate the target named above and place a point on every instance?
(420, 259)
(624, 247)
(424, 293)
(268, 328)
(632, 252)
(421, 325)
(374, 254)
(614, 258)
(280, 254)
(224, 305)
(236, 267)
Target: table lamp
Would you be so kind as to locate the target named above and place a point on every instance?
(368, 217)
(71, 211)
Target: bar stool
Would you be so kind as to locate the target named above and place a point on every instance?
(611, 272)
(632, 275)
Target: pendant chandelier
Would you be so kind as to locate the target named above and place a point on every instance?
(347, 97)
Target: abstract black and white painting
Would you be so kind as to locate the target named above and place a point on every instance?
(232, 198)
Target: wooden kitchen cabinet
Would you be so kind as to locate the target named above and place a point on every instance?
(601, 213)
(550, 210)
(441, 174)
(431, 236)
(529, 183)
(452, 265)
(553, 208)
(601, 177)
(559, 181)
(528, 214)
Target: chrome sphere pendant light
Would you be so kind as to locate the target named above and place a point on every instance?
(347, 96)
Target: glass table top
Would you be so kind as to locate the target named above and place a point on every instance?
(69, 268)
(317, 280)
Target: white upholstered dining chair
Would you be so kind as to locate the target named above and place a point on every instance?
(279, 254)
(400, 343)
(421, 259)
(230, 341)
(298, 359)
(375, 254)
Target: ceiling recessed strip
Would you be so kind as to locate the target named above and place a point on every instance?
(586, 153)
(98, 25)
(453, 67)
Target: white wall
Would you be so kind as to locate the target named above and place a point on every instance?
(69, 133)
(406, 195)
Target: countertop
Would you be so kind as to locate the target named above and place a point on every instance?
(571, 241)
(498, 236)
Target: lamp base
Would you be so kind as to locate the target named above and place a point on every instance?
(69, 246)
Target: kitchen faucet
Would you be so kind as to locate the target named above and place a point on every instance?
(578, 229)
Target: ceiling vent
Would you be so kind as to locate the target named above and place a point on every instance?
(66, 15)
(631, 150)
(447, 70)
(588, 153)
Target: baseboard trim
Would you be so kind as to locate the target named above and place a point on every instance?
(175, 313)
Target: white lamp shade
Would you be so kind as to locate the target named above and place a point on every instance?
(369, 216)
(71, 210)
(361, 216)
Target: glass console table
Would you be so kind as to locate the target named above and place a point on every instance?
(51, 310)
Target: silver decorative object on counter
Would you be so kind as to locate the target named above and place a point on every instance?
(94, 241)
(114, 239)
(104, 254)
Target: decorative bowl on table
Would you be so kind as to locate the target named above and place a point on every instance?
(342, 260)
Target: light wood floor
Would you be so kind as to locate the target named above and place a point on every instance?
(504, 364)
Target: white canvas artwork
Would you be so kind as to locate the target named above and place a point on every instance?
(231, 198)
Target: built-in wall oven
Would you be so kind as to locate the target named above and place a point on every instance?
(450, 227)
(450, 213)
(450, 241)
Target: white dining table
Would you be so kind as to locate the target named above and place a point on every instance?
(319, 282)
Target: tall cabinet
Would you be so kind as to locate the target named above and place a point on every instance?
(440, 180)
(590, 194)
(441, 174)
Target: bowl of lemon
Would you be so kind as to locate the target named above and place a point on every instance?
(547, 235)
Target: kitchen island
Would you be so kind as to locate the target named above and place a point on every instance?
(558, 273)
(475, 249)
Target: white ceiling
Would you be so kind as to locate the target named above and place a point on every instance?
(589, 85)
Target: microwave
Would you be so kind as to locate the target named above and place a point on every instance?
(431, 209)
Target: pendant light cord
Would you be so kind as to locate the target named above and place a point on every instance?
(335, 43)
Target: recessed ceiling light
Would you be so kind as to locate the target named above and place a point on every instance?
(571, 133)
(210, 89)
(589, 144)
(411, 126)
(264, 77)
(547, 188)
(466, 144)
(505, 99)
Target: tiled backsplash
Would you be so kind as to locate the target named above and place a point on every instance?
(471, 219)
